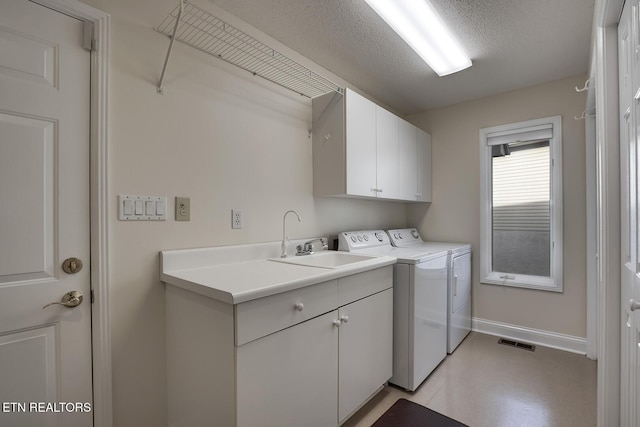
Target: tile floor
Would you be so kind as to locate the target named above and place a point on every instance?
(485, 384)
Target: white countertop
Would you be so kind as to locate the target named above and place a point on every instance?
(236, 274)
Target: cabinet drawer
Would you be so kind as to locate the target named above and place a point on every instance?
(257, 318)
(353, 288)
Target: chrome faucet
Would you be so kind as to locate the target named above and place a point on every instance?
(307, 249)
(285, 243)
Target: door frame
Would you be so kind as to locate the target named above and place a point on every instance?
(604, 72)
(99, 124)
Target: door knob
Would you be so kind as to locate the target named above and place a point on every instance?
(70, 299)
(634, 305)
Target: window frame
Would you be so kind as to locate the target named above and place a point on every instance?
(553, 283)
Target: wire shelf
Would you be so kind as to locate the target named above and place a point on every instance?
(203, 31)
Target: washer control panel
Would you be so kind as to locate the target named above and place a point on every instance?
(354, 240)
(404, 237)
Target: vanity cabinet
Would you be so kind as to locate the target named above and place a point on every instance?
(310, 356)
(362, 150)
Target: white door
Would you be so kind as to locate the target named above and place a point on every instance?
(629, 81)
(45, 353)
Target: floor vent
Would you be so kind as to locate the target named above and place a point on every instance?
(517, 344)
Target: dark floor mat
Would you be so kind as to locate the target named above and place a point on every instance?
(405, 413)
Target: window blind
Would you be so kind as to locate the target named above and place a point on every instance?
(521, 189)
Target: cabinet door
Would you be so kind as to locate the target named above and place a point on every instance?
(424, 166)
(365, 349)
(361, 145)
(387, 179)
(289, 379)
(408, 165)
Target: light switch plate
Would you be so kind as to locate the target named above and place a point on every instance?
(183, 209)
(142, 208)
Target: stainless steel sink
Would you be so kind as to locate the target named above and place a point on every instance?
(325, 259)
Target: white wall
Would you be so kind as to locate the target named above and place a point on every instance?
(455, 211)
(219, 136)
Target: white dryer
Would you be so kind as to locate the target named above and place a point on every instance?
(458, 278)
(419, 304)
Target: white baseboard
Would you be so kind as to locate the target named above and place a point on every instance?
(532, 336)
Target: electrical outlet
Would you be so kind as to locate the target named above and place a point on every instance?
(236, 218)
(183, 209)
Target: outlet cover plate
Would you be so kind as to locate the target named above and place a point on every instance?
(236, 218)
(183, 209)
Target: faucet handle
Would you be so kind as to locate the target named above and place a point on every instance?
(308, 246)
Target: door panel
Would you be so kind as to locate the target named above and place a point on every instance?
(361, 145)
(289, 378)
(26, 184)
(365, 350)
(45, 353)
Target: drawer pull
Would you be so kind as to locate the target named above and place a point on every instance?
(344, 319)
(299, 306)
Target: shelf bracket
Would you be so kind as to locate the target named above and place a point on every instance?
(160, 89)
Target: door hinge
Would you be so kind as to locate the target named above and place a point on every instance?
(92, 297)
(88, 42)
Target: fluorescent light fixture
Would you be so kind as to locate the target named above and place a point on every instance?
(417, 22)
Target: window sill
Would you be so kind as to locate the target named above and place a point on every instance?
(523, 281)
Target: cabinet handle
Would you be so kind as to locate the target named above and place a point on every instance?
(455, 285)
(337, 323)
(633, 305)
(299, 306)
(344, 319)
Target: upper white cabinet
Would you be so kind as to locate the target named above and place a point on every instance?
(424, 166)
(387, 177)
(362, 150)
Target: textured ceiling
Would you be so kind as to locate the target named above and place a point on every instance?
(512, 43)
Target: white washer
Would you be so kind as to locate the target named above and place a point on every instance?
(419, 304)
(459, 280)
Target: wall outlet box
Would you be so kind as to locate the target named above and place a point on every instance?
(183, 209)
(236, 218)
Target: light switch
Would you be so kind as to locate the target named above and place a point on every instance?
(142, 208)
(128, 207)
(150, 207)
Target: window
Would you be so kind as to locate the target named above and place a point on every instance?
(521, 204)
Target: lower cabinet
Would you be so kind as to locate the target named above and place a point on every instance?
(290, 378)
(312, 371)
(365, 345)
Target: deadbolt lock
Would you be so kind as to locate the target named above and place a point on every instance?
(72, 265)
